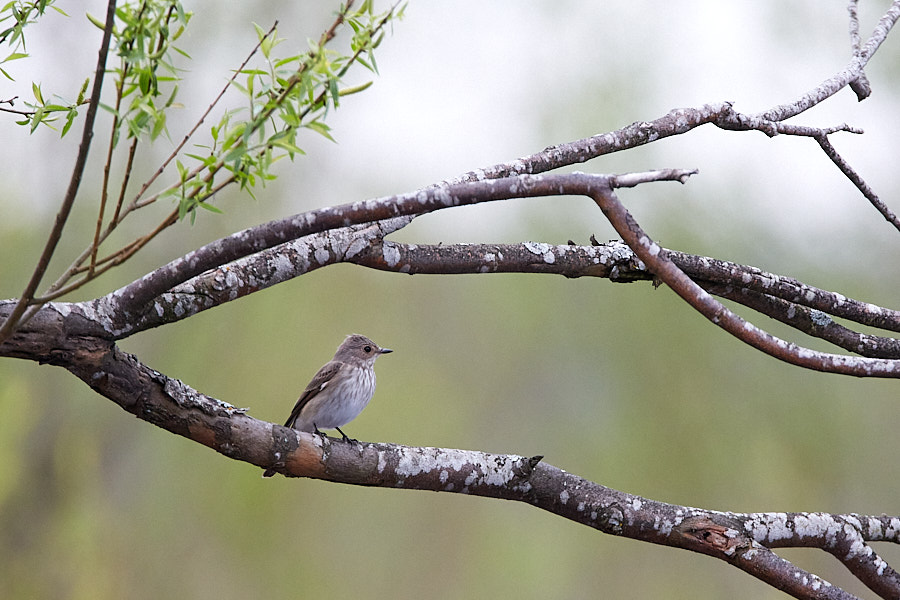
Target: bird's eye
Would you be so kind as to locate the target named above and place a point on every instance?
(367, 349)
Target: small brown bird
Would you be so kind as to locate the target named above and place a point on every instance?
(339, 391)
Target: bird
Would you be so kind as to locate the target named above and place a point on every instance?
(339, 391)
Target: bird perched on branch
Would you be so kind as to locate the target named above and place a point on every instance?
(339, 391)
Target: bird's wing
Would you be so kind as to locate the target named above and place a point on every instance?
(319, 381)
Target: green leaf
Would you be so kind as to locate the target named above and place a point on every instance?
(107, 108)
(159, 125)
(266, 43)
(284, 61)
(15, 56)
(97, 22)
(356, 89)
(333, 90)
(320, 128)
(171, 100)
(83, 90)
(290, 119)
(289, 147)
(36, 119)
(235, 154)
(70, 117)
(36, 89)
(144, 82)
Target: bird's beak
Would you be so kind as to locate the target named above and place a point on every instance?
(386, 351)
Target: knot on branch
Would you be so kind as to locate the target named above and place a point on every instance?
(705, 535)
(525, 466)
(732, 120)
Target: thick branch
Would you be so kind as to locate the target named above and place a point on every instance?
(136, 296)
(739, 539)
(132, 302)
(363, 244)
(783, 298)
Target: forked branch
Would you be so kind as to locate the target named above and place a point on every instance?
(233, 267)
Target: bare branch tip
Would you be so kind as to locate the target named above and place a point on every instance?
(526, 466)
(687, 175)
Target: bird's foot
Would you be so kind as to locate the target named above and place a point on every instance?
(346, 439)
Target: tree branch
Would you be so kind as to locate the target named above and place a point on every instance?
(835, 83)
(781, 298)
(860, 85)
(87, 133)
(657, 261)
(851, 174)
(810, 321)
(741, 539)
(274, 265)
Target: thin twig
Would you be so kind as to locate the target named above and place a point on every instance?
(835, 83)
(860, 85)
(122, 254)
(123, 188)
(107, 166)
(809, 321)
(121, 212)
(653, 256)
(858, 181)
(135, 202)
(787, 288)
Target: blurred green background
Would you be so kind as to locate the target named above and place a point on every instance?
(621, 384)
